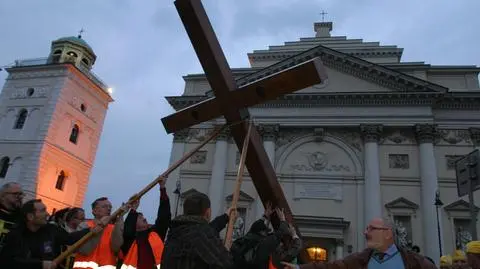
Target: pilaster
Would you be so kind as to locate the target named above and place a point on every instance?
(429, 184)
(372, 189)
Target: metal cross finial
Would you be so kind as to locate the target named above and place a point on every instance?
(323, 13)
(80, 33)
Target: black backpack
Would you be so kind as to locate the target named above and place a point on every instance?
(243, 251)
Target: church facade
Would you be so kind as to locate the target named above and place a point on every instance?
(52, 111)
(378, 139)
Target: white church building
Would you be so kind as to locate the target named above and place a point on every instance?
(379, 138)
(52, 111)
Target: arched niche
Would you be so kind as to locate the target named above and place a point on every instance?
(34, 119)
(16, 167)
(330, 157)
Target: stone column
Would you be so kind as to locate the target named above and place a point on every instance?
(339, 250)
(269, 134)
(429, 184)
(475, 136)
(217, 181)
(178, 150)
(372, 190)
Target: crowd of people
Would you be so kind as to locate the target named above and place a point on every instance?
(31, 239)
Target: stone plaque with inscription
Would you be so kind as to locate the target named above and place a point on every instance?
(327, 191)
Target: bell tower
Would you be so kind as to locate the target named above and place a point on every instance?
(52, 111)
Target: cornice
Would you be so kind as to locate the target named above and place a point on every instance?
(352, 65)
(435, 100)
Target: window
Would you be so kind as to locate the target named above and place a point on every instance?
(85, 61)
(462, 233)
(30, 91)
(83, 107)
(58, 52)
(60, 181)
(74, 134)
(22, 117)
(403, 230)
(317, 254)
(4, 164)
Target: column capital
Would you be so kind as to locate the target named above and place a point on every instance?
(425, 133)
(475, 136)
(224, 134)
(181, 135)
(339, 242)
(371, 132)
(269, 132)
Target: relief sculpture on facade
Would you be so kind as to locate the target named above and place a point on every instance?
(318, 161)
(454, 136)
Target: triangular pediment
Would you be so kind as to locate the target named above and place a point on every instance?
(460, 205)
(243, 197)
(371, 76)
(401, 203)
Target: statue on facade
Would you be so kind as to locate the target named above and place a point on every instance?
(402, 234)
(238, 228)
(463, 237)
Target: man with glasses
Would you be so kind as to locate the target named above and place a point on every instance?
(381, 252)
(11, 198)
(101, 250)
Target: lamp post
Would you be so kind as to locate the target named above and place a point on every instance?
(177, 192)
(438, 204)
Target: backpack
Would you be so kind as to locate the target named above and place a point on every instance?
(243, 251)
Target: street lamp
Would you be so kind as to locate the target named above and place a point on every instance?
(438, 204)
(177, 191)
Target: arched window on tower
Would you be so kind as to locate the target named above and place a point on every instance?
(22, 117)
(4, 164)
(74, 134)
(60, 181)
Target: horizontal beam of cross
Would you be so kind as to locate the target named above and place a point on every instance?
(269, 88)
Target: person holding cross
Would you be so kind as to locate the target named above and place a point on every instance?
(35, 243)
(194, 243)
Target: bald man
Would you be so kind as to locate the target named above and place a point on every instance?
(381, 253)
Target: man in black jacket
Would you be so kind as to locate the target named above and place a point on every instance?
(193, 243)
(35, 243)
(11, 198)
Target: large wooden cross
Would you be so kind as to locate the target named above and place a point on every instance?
(232, 102)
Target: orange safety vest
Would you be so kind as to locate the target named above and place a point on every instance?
(102, 257)
(270, 263)
(156, 243)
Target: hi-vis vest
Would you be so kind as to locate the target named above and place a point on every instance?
(102, 257)
(156, 243)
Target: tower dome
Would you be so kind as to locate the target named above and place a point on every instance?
(72, 49)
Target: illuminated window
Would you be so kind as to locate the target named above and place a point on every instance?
(60, 181)
(317, 254)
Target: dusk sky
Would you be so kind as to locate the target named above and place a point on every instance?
(143, 51)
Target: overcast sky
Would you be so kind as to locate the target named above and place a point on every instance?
(143, 52)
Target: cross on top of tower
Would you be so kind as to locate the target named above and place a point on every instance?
(323, 13)
(80, 33)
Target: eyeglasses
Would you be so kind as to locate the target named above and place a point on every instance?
(373, 228)
(18, 193)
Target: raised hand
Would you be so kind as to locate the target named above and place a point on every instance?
(231, 212)
(162, 181)
(268, 210)
(290, 265)
(280, 214)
